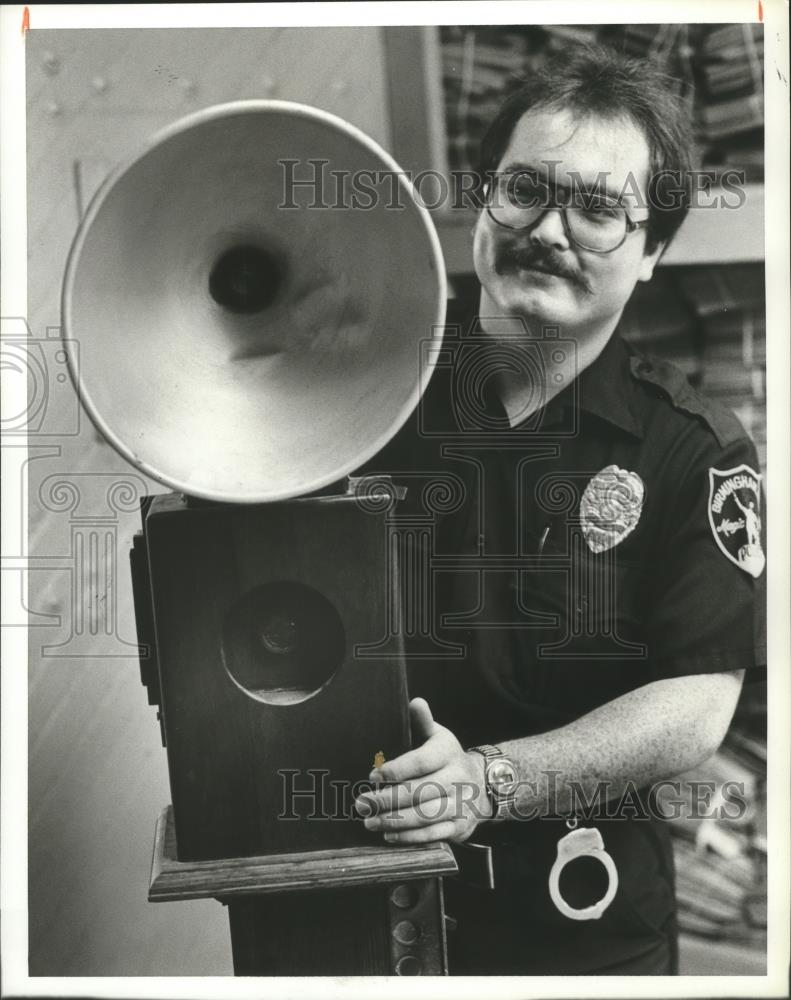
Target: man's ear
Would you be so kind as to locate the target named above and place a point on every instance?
(649, 262)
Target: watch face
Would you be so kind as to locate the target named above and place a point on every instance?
(501, 775)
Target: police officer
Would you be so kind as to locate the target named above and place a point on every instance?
(607, 589)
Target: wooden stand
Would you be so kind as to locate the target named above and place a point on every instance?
(354, 911)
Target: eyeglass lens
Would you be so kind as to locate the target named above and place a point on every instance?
(593, 221)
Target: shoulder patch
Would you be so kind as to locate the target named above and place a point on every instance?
(735, 516)
(673, 384)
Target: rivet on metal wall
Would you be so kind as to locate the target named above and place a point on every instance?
(53, 108)
(188, 86)
(51, 63)
(408, 966)
(404, 896)
(406, 932)
(100, 84)
(268, 86)
(339, 87)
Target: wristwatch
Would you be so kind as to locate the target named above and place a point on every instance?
(501, 778)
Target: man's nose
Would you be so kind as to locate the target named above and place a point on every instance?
(550, 231)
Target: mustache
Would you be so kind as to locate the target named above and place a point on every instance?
(511, 257)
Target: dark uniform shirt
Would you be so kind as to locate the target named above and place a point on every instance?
(606, 541)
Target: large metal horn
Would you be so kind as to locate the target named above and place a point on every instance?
(233, 347)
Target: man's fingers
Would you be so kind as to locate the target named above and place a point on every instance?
(416, 763)
(399, 796)
(412, 817)
(423, 724)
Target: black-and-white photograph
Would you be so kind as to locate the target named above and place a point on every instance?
(396, 523)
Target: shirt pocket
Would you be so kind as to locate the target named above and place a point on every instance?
(585, 641)
(588, 604)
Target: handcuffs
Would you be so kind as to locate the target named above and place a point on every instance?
(581, 843)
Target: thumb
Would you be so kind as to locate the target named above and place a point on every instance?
(423, 724)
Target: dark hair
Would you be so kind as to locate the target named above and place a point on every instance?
(601, 82)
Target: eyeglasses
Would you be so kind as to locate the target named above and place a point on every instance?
(591, 221)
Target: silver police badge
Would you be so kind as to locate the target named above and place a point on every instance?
(735, 516)
(610, 507)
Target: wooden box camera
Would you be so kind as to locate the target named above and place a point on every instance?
(271, 710)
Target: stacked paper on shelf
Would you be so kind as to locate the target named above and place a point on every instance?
(480, 67)
(719, 67)
(727, 37)
(580, 34)
(729, 301)
(732, 70)
(720, 850)
(739, 114)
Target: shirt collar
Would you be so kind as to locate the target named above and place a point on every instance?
(604, 388)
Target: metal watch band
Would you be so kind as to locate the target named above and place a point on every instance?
(488, 751)
(499, 800)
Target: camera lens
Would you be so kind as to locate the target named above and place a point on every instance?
(282, 641)
(279, 634)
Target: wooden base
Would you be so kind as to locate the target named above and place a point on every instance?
(356, 911)
(278, 873)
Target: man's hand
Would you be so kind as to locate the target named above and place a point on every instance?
(435, 792)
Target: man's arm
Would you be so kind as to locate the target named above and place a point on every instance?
(436, 791)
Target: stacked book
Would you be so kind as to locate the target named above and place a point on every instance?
(732, 105)
(729, 303)
(719, 68)
(480, 67)
(721, 858)
(732, 62)
(672, 46)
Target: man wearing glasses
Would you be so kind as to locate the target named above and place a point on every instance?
(602, 596)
